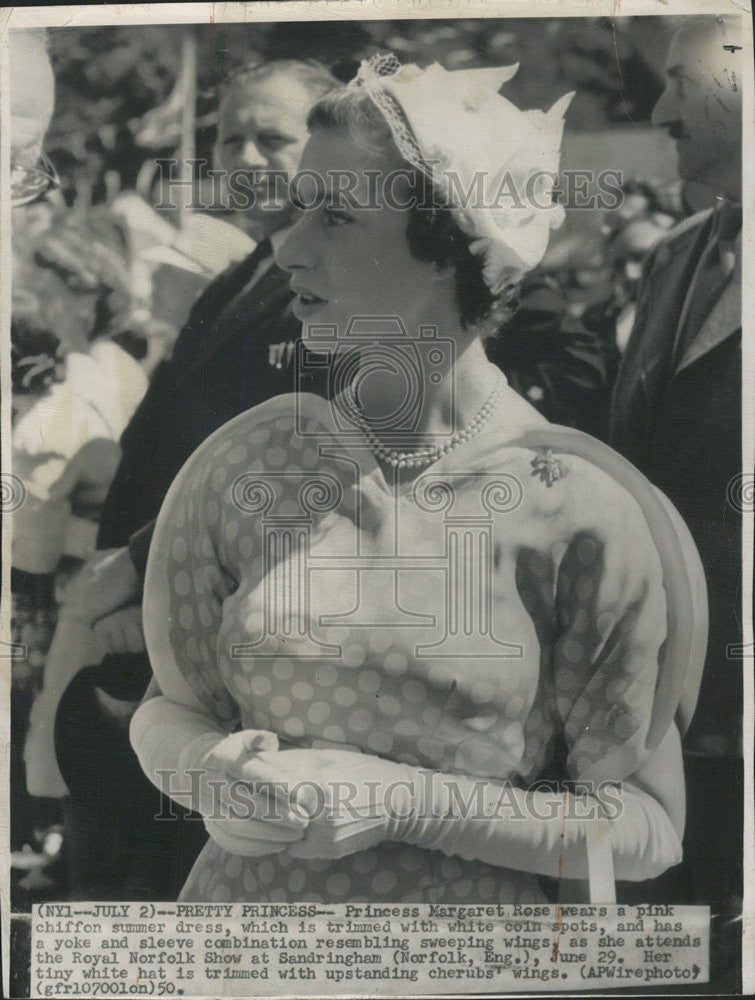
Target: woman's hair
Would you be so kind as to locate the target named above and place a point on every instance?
(433, 234)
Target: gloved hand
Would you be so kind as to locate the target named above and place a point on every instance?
(356, 801)
(348, 798)
(188, 759)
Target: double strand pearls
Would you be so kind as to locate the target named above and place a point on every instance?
(426, 456)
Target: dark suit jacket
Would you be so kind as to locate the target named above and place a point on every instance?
(553, 360)
(219, 368)
(681, 426)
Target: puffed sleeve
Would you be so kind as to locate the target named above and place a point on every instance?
(601, 576)
(186, 585)
(611, 621)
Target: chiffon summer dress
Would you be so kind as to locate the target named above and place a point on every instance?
(503, 610)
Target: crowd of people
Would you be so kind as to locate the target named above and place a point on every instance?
(617, 428)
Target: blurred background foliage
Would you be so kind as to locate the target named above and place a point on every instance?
(111, 80)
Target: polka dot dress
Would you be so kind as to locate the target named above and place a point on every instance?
(303, 594)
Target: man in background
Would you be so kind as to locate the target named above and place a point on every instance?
(676, 414)
(235, 351)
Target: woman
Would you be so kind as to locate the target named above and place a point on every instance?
(412, 598)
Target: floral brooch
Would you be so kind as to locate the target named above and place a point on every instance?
(548, 467)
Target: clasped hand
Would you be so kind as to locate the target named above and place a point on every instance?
(313, 803)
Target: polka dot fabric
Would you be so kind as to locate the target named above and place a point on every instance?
(286, 610)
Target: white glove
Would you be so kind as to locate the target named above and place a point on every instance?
(187, 758)
(356, 801)
(344, 812)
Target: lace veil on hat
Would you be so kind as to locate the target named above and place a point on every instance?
(495, 165)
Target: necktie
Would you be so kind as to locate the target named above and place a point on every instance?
(717, 263)
(260, 261)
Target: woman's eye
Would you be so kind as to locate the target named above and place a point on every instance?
(682, 82)
(336, 217)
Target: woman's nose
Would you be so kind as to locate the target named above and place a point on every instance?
(296, 250)
(665, 110)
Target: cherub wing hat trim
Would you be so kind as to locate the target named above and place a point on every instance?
(495, 165)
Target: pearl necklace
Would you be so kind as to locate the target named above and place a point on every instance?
(425, 456)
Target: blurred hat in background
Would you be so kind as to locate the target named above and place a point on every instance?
(32, 98)
(206, 246)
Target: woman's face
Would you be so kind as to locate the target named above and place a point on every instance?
(348, 253)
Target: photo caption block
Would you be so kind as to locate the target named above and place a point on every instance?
(314, 949)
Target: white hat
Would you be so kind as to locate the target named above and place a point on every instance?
(495, 165)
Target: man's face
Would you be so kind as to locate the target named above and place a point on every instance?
(701, 108)
(262, 131)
